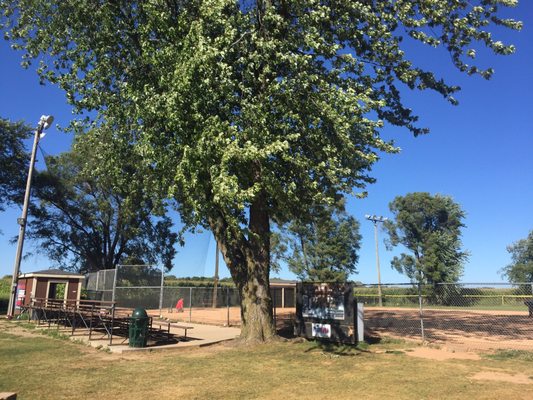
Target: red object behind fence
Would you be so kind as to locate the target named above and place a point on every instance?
(179, 305)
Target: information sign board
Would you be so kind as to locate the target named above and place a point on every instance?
(325, 311)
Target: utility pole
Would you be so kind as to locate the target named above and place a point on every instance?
(44, 123)
(376, 219)
(215, 285)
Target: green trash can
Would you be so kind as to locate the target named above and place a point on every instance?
(138, 329)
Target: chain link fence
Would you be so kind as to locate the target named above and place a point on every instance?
(138, 286)
(131, 286)
(99, 285)
(477, 316)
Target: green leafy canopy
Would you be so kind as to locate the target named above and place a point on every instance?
(93, 210)
(230, 98)
(430, 227)
(322, 248)
(249, 113)
(14, 158)
(520, 270)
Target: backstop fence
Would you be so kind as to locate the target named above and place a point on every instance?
(99, 285)
(131, 286)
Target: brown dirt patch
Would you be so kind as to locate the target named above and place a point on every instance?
(472, 329)
(216, 316)
(464, 330)
(503, 377)
(17, 330)
(440, 355)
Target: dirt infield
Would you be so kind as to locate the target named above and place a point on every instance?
(215, 316)
(475, 329)
(467, 329)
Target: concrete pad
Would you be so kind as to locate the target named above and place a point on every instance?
(200, 335)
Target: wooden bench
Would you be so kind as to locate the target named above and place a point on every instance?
(164, 325)
(529, 304)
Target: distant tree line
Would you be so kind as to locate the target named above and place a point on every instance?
(197, 281)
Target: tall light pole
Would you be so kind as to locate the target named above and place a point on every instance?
(376, 219)
(44, 122)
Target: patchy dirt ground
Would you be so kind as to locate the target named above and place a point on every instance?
(503, 377)
(479, 330)
(18, 330)
(441, 354)
(465, 329)
(216, 316)
(290, 369)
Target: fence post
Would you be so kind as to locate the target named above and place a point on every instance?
(227, 305)
(360, 321)
(273, 294)
(190, 304)
(421, 312)
(114, 283)
(161, 292)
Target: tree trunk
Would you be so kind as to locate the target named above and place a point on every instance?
(248, 259)
(256, 303)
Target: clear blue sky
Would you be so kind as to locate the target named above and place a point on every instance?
(480, 153)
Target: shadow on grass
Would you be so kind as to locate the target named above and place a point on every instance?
(344, 350)
(286, 332)
(373, 339)
(285, 329)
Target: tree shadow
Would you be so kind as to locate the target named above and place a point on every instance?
(341, 350)
(373, 339)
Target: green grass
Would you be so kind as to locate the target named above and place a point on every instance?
(512, 355)
(480, 307)
(41, 367)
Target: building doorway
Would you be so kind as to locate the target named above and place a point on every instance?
(57, 290)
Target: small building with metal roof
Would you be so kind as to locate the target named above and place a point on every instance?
(49, 284)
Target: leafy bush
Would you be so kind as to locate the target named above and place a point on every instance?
(5, 285)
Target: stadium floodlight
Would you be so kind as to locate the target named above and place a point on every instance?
(44, 123)
(376, 219)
